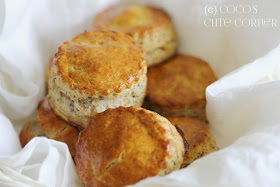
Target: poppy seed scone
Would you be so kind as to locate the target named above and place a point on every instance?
(177, 87)
(51, 126)
(94, 71)
(124, 145)
(149, 26)
(198, 135)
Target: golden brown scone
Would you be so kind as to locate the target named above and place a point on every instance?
(50, 126)
(198, 135)
(56, 128)
(177, 87)
(29, 131)
(122, 146)
(95, 71)
(149, 26)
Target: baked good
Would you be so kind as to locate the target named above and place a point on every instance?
(177, 87)
(50, 126)
(29, 131)
(94, 71)
(48, 70)
(56, 128)
(149, 26)
(122, 146)
(198, 135)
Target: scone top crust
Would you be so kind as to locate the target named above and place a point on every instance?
(122, 146)
(180, 81)
(131, 19)
(100, 62)
(195, 132)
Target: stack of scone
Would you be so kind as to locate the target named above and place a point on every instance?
(97, 83)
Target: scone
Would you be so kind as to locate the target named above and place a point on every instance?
(95, 71)
(198, 135)
(149, 26)
(29, 131)
(122, 146)
(50, 126)
(177, 87)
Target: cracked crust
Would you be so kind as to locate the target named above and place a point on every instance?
(123, 137)
(198, 135)
(149, 26)
(107, 70)
(177, 87)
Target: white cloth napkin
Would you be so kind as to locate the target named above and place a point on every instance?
(242, 108)
(42, 162)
